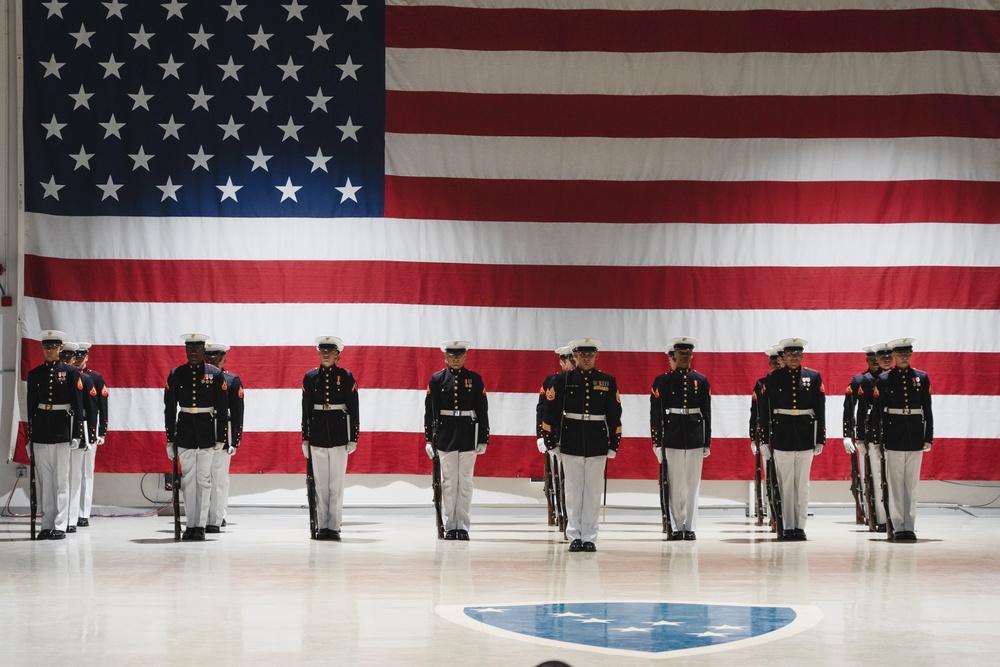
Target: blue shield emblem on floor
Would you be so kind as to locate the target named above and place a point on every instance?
(638, 628)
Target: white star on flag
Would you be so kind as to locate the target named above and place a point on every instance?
(200, 99)
(174, 9)
(319, 160)
(231, 129)
(664, 623)
(53, 128)
(82, 37)
(288, 190)
(294, 9)
(141, 159)
(229, 190)
(259, 100)
(348, 69)
(81, 99)
(318, 100)
(109, 189)
(114, 9)
(260, 39)
(52, 67)
(290, 70)
(290, 129)
(259, 160)
(349, 130)
(52, 188)
(348, 192)
(200, 159)
(111, 67)
(55, 9)
(234, 11)
(200, 38)
(112, 127)
(171, 68)
(82, 159)
(319, 40)
(140, 99)
(595, 620)
(354, 10)
(230, 69)
(141, 38)
(171, 128)
(169, 190)
(631, 629)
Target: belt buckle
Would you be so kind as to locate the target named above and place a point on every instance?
(458, 413)
(48, 406)
(906, 411)
(586, 417)
(794, 412)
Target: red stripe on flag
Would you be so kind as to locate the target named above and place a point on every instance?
(691, 30)
(517, 371)
(508, 285)
(707, 202)
(513, 456)
(419, 112)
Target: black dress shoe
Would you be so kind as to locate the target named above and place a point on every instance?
(70, 529)
(801, 535)
(57, 535)
(576, 545)
(44, 534)
(223, 523)
(462, 535)
(212, 529)
(451, 535)
(677, 535)
(83, 523)
(689, 535)
(188, 534)
(906, 536)
(333, 535)
(589, 546)
(322, 534)
(880, 528)
(198, 535)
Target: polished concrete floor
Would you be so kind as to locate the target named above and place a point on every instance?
(121, 592)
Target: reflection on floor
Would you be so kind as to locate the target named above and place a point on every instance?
(123, 592)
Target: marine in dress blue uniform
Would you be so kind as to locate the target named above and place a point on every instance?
(854, 429)
(774, 362)
(457, 425)
(793, 412)
(78, 455)
(81, 358)
(195, 405)
(566, 364)
(218, 504)
(866, 428)
(904, 421)
(680, 424)
(331, 423)
(583, 419)
(56, 422)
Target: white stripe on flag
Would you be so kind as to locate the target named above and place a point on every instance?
(684, 73)
(401, 325)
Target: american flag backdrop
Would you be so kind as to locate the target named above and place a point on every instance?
(517, 173)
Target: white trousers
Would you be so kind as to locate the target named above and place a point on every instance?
(684, 474)
(330, 472)
(52, 476)
(196, 484)
(902, 470)
(584, 484)
(872, 460)
(77, 460)
(793, 482)
(457, 470)
(218, 502)
(87, 483)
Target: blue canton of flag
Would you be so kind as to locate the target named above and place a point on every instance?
(641, 627)
(204, 109)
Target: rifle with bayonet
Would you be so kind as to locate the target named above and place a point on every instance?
(436, 483)
(758, 484)
(664, 481)
(856, 489)
(870, 492)
(33, 493)
(311, 495)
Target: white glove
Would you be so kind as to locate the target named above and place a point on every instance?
(170, 451)
(480, 448)
(753, 448)
(612, 453)
(430, 451)
(541, 446)
(817, 450)
(849, 446)
(100, 440)
(351, 446)
(305, 448)
(218, 446)
(230, 450)
(927, 446)
(74, 443)
(658, 453)
(84, 446)
(705, 452)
